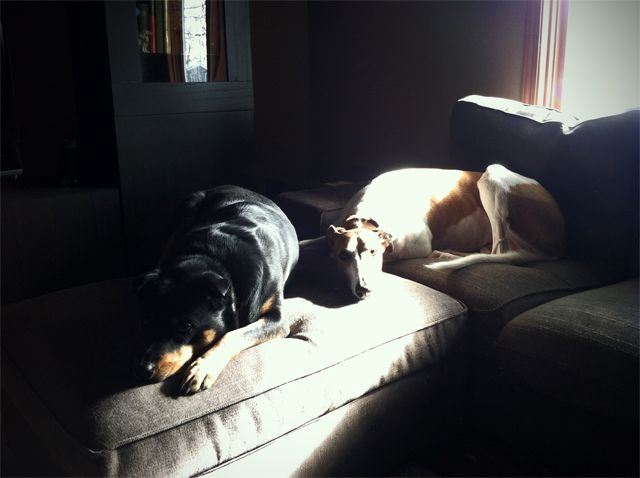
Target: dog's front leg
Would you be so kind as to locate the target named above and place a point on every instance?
(204, 371)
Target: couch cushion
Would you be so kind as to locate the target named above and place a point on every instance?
(590, 167)
(495, 293)
(71, 353)
(486, 130)
(581, 349)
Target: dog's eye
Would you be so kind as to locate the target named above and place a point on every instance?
(216, 302)
(373, 252)
(344, 256)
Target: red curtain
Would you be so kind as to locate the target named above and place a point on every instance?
(216, 44)
(175, 50)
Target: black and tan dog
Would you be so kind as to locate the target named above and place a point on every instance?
(218, 287)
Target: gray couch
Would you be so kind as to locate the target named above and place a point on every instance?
(541, 356)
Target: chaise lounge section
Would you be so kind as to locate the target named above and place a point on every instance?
(323, 401)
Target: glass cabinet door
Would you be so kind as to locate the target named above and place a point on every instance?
(182, 41)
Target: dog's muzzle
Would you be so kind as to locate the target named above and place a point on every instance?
(144, 370)
(362, 291)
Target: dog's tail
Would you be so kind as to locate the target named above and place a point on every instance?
(511, 257)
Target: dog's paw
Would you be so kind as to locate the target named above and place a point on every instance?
(201, 375)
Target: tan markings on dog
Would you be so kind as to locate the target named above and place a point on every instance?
(462, 201)
(266, 307)
(361, 247)
(169, 363)
(344, 241)
(357, 241)
(535, 216)
(207, 338)
(354, 222)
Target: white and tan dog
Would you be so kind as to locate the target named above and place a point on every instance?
(411, 213)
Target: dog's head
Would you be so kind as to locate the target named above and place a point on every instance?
(185, 309)
(358, 247)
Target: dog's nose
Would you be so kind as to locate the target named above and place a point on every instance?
(145, 370)
(362, 291)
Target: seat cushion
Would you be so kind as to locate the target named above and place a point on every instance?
(69, 357)
(581, 349)
(561, 383)
(496, 293)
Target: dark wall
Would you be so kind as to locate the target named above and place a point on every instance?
(342, 89)
(385, 75)
(280, 45)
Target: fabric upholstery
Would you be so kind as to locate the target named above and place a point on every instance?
(496, 293)
(525, 138)
(561, 383)
(72, 352)
(54, 238)
(408, 416)
(590, 167)
(582, 348)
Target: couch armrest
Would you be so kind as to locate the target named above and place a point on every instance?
(312, 210)
(53, 238)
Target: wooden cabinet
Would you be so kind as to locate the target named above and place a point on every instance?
(175, 137)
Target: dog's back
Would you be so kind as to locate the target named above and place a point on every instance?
(219, 286)
(244, 233)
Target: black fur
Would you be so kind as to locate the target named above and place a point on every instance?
(232, 251)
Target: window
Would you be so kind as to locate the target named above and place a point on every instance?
(583, 57)
(602, 58)
(182, 40)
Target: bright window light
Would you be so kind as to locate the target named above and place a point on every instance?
(194, 29)
(602, 59)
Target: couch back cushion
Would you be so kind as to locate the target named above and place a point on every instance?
(590, 167)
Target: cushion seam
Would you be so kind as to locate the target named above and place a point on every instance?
(143, 436)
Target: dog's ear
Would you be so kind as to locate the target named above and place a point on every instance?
(371, 223)
(147, 285)
(352, 222)
(387, 240)
(333, 232)
(218, 283)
